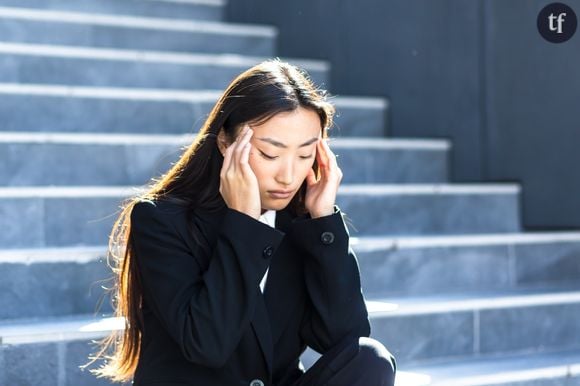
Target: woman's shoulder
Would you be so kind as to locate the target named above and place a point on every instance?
(175, 210)
(149, 207)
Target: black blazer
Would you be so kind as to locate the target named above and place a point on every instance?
(206, 322)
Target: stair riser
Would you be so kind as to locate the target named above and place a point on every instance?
(464, 334)
(538, 264)
(407, 214)
(425, 271)
(160, 9)
(49, 364)
(43, 222)
(76, 114)
(112, 73)
(70, 34)
(53, 289)
(30, 164)
(369, 122)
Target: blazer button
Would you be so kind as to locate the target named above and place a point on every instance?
(327, 237)
(268, 251)
(256, 382)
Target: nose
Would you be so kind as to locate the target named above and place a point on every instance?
(285, 174)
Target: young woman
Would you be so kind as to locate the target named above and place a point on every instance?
(238, 257)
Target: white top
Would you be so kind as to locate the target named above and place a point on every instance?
(269, 218)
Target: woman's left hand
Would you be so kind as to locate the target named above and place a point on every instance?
(321, 195)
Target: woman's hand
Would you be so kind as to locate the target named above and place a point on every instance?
(238, 183)
(321, 194)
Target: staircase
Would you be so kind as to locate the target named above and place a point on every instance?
(98, 96)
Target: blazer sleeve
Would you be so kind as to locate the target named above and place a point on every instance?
(204, 310)
(338, 310)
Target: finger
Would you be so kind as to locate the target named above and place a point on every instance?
(320, 156)
(310, 177)
(244, 161)
(227, 160)
(330, 156)
(242, 141)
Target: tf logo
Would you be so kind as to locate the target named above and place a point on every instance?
(557, 22)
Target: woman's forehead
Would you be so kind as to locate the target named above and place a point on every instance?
(297, 125)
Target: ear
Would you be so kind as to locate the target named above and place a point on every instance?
(222, 142)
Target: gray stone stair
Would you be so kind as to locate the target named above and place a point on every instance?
(71, 280)
(544, 369)
(466, 263)
(468, 325)
(49, 351)
(31, 159)
(427, 209)
(208, 10)
(135, 32)
(62, 344)
(155, 111)
(39, 217)
(46, 282)
(49, 64)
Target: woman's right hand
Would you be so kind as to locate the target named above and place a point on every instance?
(238, 183)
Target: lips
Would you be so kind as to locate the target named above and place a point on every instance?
(280, 194)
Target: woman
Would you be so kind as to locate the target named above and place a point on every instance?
(238, 257)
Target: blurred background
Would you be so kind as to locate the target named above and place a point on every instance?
(456, 130)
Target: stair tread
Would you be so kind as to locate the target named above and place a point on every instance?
(50, 329)
(373, 243)
(163, 94)
(367, 189)
(124, 54)
(493, 370)
(136, 139)
(474, 301)
(359, 244)
(129, 21)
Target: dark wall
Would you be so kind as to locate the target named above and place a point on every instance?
(533, 112)
(475, 72)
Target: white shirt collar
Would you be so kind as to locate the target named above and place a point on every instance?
(269, 218)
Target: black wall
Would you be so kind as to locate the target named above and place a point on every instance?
(475, 72)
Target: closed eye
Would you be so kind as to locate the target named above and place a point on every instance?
(272, 158)
(267, 156)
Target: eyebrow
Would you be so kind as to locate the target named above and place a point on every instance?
(280, 144)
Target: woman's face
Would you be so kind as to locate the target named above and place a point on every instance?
(283, 150)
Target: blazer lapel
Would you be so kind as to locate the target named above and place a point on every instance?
(261, 326)
(283, 285)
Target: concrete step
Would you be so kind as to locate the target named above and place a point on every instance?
(120, 110)
(210, 10)
(561, 368)
(37, 217)
(63, 343)
(422, 329)
(430, 209)
(466, 263)
(49, 351)
(47, 282)
(31, 159)
(368, 115)
(60, 281)
(22, 25)
(49, 64)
